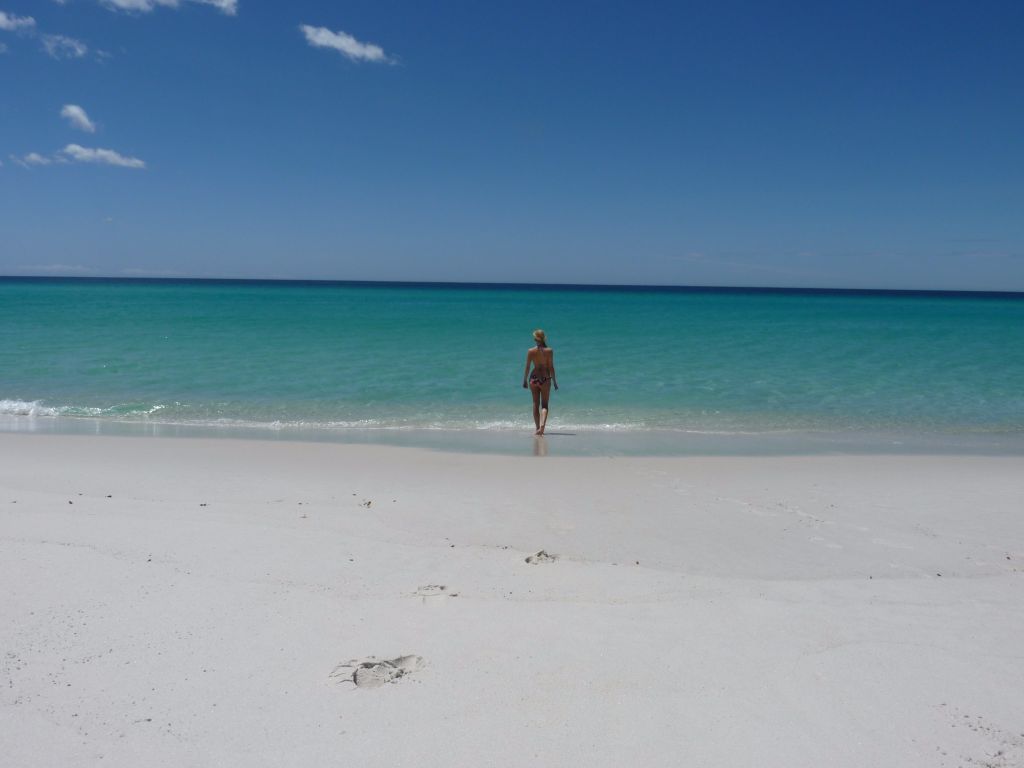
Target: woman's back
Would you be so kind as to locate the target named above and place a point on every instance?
(541, 359)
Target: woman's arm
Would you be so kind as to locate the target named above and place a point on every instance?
(554, 378)
(526, 370)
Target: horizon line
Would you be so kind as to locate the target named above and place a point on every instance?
(642, 287)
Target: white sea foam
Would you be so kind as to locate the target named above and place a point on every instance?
(35, 408)
(164, 415)
(177, 415)
(26, 408)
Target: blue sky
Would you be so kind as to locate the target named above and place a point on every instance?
(870, 144)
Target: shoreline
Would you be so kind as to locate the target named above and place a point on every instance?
(202, 601)
(558, 441)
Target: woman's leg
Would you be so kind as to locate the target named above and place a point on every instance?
(535, 391)
(544, 392)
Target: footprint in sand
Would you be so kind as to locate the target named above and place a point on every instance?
(541, 557)
(372, 672)
(434, 590)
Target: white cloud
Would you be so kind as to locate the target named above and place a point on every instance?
(4, 48)
(229, 7)
(82, 154)
(78, 118)
(62, 47)
(344, 43)
(145, 6)
(32, 158)
(143, 272)
(71, 268)
(12, 23)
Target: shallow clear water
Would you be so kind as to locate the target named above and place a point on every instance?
(339, 357)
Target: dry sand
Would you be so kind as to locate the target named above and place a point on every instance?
(179, 602)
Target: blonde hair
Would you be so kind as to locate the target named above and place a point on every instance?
(539, 337)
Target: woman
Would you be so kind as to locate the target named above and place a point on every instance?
(542, 357)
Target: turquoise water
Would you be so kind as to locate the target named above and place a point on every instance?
(331, 358)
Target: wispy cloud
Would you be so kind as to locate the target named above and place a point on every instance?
(63, 47)
(143, 272)
(75, 115)
(229, 7)
(82, 154)
(57, 46)
(344, 43)
(11, 23)
(56, 268)
(32, 158)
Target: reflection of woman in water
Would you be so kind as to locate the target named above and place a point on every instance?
(542, 357)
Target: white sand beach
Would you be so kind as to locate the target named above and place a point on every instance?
(188, 602)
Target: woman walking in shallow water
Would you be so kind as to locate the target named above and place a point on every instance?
(542, 358)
